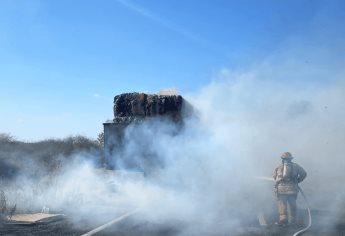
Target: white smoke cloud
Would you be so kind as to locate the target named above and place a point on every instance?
(167, 91)
(246, 119)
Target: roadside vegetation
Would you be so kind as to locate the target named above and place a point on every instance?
(39, 163)
(40, 158)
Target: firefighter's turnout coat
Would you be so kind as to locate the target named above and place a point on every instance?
(287, 177)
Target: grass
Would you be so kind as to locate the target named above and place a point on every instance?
(39, 163)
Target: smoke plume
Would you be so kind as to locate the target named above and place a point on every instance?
(206, 182)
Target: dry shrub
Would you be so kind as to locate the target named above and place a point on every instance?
(6, 212)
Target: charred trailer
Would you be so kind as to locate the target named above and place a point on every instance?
(132, 112)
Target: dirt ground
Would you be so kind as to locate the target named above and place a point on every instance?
(63, 227)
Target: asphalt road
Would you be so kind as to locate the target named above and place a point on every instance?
(129, 227)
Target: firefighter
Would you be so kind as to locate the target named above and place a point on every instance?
(287, 176)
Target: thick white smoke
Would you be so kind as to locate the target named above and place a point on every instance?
(168, 91)
(244, 122)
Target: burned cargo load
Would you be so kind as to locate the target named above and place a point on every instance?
(129, 107)
(135, 110)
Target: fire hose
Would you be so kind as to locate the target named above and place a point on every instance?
(302, 231)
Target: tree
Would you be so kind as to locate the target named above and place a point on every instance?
(100, 139)
(6, 138)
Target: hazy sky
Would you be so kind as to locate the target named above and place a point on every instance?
(62, 62)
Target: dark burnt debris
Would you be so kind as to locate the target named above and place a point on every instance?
(129, 107)
(135, 109)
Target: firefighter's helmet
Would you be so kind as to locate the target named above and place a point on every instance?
(286, 155)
